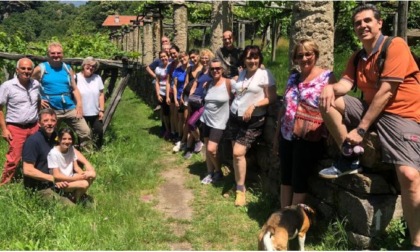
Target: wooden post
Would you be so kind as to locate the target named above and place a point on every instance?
(402, 19)
(395, 25)
(274, 22)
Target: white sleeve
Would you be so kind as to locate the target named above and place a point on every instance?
(52, 160)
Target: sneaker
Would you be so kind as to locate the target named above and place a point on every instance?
(240, 198)
(166, 135)
(177, 147)
(343, 166)
(207, 179)
(198, 146)
(188, 155)
(217, 176)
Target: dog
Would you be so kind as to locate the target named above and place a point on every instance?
(285, 225)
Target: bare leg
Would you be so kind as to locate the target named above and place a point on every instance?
(286, 193)
(298, 198)
(409, 179)
(239, 163)
(334, 121)
(211, 152)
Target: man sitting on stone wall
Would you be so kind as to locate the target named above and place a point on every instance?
(391, 105)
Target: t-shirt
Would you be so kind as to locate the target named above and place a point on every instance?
(251, 90)
(162, 75)
(62, 161)
(230, 60)
(180, 74)
(89, 89)
(202, 78)
(216, 106)
(399, 67)
(35, 151)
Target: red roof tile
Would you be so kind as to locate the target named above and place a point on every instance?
(123, 20)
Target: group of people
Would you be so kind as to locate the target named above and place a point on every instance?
(233, 93)
(203, 94)
(37, 99)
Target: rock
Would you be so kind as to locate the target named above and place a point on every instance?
(360, 241)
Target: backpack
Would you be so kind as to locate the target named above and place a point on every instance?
(381, 62)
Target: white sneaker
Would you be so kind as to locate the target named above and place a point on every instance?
(207, 180)
(177, 147)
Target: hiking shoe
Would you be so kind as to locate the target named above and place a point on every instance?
(343, 166)
(240, 198)
(198, 146)
(217, 176)
(177, 147)
(188, 155)
(207, 179)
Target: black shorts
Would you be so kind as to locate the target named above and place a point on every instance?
(164, 105)
(245, 133)
(214, 135)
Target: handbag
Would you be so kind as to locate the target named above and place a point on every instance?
(195, 100)
(309, 124)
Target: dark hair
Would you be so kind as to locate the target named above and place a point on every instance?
(364, 7)
(64, 131)
(254, 51)
(165, 52)
(194, 51)
(175, 47)
(48, 111)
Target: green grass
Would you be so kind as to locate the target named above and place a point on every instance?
(128, 167)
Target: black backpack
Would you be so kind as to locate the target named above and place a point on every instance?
(380, 62)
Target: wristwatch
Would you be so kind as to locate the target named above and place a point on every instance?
(361, 132)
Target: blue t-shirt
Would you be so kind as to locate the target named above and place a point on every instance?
(202, 78)
(56, 87)
(156, 62)
(35, 151)
(180, 74)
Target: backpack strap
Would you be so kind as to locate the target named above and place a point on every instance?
(381, 58)
(355, 63)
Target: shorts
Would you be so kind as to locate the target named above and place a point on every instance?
(181, 107)
(164, 105)
(245, 133)
(399, 137)
(298, 160)
(214, 135)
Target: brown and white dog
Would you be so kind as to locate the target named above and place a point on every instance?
(284, 225)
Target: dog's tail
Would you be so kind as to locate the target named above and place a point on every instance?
(264, 239)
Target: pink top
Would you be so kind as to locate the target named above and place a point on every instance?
(308, 91)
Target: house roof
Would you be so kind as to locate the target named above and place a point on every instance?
(118, 20)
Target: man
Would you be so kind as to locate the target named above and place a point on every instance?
(21, 97)
(391, 105)
(57, 87)
(229, 55)
(36, 174)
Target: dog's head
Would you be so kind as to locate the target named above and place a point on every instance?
(309, 211)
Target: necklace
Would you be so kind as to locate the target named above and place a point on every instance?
(245, 84)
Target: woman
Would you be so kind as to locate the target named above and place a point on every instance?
(255, 89)
(162, 80)
(173, 52)
(194, 68)
(306, 86)
(214, 118)
(196, 107)
(179, 76)
(62, 162)
(91, 89)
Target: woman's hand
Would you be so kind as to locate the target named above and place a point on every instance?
(100, 116)
(176, 103)
(168, 100)
(248, 113)
(159, 98)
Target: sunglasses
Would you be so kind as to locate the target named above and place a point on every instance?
(215, 68)
(307, 55)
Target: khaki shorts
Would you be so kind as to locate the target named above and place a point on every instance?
(400, 137)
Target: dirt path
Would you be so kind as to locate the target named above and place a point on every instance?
(174, 201)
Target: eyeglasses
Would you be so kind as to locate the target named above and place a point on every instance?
(25, 68)
(307, 55)
(90, 66)
(55, 53)
(215, 69)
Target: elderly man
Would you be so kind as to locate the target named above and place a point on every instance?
(391, 106)
(36, 175)
(20, 95)
(229, 55)
(59, 92)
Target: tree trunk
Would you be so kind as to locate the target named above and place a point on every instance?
(221, 20)
(314, 20)
(180, 24)
(402, 19)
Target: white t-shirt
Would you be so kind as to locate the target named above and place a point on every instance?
(250, 91)
(89, 89)
(62, 161)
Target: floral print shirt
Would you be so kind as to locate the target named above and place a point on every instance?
(296, 91)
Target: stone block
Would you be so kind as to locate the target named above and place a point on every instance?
(366, 183)
(358, 240)
(368, 217)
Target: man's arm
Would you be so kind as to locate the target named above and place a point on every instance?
(151, 72)
(386, 91)
(36, 74)
(77, 96)
(331, 91)
(29, 170)
(4, 131)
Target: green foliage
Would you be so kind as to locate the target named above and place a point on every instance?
(395, 237)
(335, 237)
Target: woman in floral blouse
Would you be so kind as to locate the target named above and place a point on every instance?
(299, 157)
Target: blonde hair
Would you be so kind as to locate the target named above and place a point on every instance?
(206, 52)
(54, 44)
(308, 45)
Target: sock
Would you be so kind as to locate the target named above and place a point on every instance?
(240, 188)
